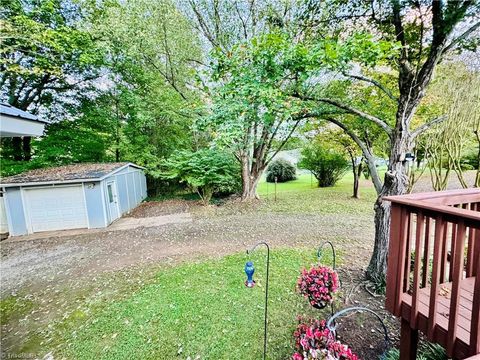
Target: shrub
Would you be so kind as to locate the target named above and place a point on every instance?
(318, 285)
(282, 170)
(313, 340)
(206, 172)
(327, 166)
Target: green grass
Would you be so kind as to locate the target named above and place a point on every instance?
(14, 307)
(303, 197)
(304, 182)
(197, 309)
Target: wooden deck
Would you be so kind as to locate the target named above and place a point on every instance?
(433, 277)
(463, 325)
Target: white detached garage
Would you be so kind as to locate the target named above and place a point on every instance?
(71, 197)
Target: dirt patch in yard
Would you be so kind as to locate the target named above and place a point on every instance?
(158, 208)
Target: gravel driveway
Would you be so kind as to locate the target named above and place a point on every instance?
(54, 261)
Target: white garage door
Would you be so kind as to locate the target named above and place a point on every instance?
(55, 208)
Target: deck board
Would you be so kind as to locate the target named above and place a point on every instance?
(443, 309)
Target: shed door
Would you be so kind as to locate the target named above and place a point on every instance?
(56, 208)
(112, 201)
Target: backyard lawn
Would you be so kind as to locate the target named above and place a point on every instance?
(197, 310)
(195, 306)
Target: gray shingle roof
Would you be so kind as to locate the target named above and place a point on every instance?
(65, 173)
(6, 109)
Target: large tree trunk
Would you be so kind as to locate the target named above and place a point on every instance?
(395, 183)
(249, 191)
(250, 179)
(17, 148)
(27, 148)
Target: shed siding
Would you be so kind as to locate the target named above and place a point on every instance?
(131, 186)
(138, 186)
(95, 203)
(131, 191)
(122, 192)
(17, 224)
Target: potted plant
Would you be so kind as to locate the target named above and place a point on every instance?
(318, 285)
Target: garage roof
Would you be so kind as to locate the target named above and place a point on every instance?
(65, 174)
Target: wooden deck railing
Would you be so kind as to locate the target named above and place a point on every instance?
(433, 277)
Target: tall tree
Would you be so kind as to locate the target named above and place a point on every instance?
(46, 53)
(252, 110)
(426, 32)
(455, 92)
(152, 55)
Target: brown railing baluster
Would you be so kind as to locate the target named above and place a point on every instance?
(476, 252)
(426, 254)
(408, 253)
(443, 264)
(470, 252)
(417, 268)
(437, 248)
(452, 252)
(457, 262)
(475, 328)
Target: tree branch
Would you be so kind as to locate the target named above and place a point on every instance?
(167, 79)
(374, 82)
(422, 128)
(353, 111)
(377, 183)
(297, 122)
(204, 27)
(461, 37)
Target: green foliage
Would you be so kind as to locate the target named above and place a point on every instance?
(251, 110)
(206, 171)
(69, 142)
(281, 170)
(251, 96)
(427, 351)
(46, 51)
(328, 166)
(12, 167)
(431, 351)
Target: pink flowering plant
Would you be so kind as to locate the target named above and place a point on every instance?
(313, 340)
(318, 285)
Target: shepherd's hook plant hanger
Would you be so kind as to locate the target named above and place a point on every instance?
(319, 253)
(334, 263)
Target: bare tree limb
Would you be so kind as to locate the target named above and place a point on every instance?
(463, 36)
(353, 111)
(374, 82)
(204, 27)
(297, 122)
(244, 24)
(165, 75)
(422, 128)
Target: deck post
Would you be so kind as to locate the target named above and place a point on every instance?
(408, 341)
